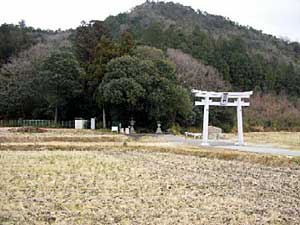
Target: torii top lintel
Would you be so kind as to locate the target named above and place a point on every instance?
(213, 94)
(236, 98)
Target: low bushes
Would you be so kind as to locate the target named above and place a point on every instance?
(269, 112)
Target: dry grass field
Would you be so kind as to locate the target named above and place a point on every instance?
(54, 178)
(289, 140)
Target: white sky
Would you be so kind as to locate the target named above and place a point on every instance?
(278, 17)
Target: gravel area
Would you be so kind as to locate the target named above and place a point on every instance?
(263, 148)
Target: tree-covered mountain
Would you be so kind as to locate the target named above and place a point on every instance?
(143, 64)
(185, 20)
(245, 57)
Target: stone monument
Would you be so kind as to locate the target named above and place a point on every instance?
(214, 133)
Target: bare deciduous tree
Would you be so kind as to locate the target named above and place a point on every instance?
(193, 73)
(272, 112)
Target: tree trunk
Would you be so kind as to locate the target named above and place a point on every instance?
(103, 118)
(56, 114)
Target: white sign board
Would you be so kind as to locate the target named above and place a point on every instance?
(224, 99)
(115, 129)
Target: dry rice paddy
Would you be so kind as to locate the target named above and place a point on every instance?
(134, 183)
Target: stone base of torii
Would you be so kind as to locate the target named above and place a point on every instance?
(209, 98)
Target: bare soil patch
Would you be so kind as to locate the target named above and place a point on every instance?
(27, 130)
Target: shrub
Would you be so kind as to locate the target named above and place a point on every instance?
(176, 129)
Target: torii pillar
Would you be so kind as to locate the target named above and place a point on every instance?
(205, 122)
(239, 113)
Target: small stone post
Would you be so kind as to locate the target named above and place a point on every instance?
(93, 123)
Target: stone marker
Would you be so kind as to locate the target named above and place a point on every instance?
(214, 132)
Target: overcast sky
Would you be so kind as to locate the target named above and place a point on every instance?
(278, 17)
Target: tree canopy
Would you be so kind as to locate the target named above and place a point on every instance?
(59, 80)
(144, 86)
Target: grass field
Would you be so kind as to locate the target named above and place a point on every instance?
(52, 178)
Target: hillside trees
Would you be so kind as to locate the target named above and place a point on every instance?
(94, 57)
(14, 39)
(85, 39)
(18, 83)
(59, 80)
(144, 88)
(193, 73)
(22, 91)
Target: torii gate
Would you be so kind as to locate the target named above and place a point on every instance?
(222, 99)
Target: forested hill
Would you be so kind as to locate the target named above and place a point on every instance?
(143, 64)
(245, 57)
(185, 20)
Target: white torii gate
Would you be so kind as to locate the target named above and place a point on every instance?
(222, 99)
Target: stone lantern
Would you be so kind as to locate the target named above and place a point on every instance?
(158, 130)
(132, 122)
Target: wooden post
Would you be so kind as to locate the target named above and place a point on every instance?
(103, 118)
(205, 122)
(240, 122)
